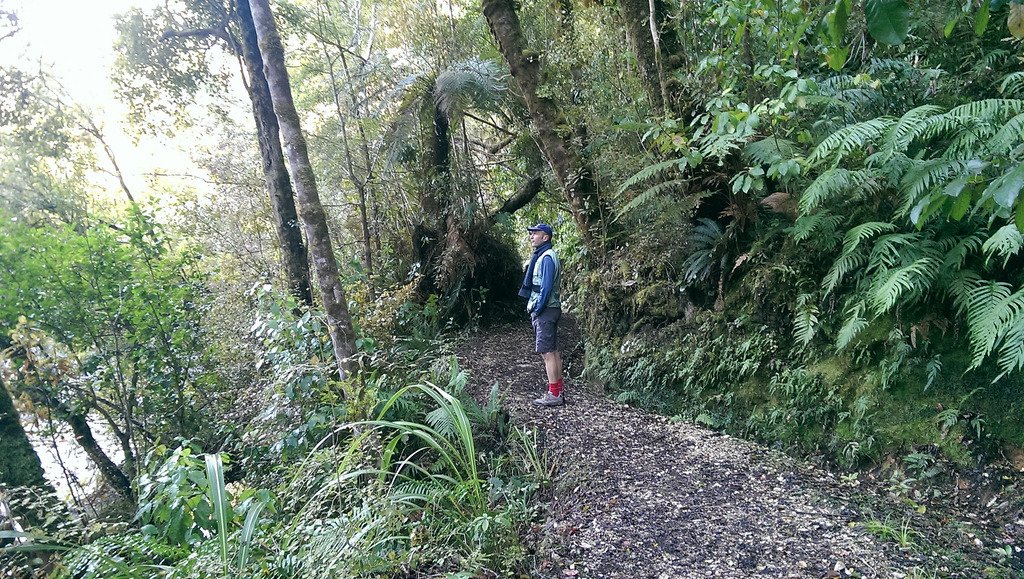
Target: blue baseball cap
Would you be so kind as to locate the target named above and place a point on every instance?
(542, 227)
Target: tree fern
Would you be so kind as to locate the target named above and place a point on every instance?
(469, 84)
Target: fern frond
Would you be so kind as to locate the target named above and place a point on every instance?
(988, 109)
(900, 136)
(889, 250)
(473, 83)
(1008, 137)
(924, 176)
(1005, 243)
(961, 249)
(854, 324)
(902, 284)
(1013, 84)
(857, 235)
(650, 171)
(770, 150)
(849, 138)
(823, 221)
(1011, 353)
(442, 421)
(805, 323)
(839, 270)
(833, 182)
(650, 194)
(851, 258)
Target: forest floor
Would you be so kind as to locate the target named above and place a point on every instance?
(637, 495)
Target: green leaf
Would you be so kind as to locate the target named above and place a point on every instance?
(888, 20)
(960, 206)
(836, 57)
(837, 21)
(981, 18)
(1018, 217)
(1005, 189)
(948, 30)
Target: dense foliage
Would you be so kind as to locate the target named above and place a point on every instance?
(800, 222)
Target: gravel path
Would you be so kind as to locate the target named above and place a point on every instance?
(638, 496)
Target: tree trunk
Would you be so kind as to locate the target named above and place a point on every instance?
(282, 198)
(655, 44)
(19, 463)
(111, 473)
(572, 172)
(314, 220)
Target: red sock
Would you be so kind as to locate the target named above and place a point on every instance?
(556, 388)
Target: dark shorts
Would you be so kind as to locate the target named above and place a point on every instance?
(545, 326)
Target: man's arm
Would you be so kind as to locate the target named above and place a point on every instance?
(547, 280)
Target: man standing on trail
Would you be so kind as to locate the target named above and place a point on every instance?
(540, 287)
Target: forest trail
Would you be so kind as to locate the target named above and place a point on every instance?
(636, 495)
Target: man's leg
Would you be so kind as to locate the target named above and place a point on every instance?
(553, 366)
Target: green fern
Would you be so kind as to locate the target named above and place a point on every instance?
(119, 556)
(851, 257)
(650, 171)
(902, 284)
(650, 194)
(1013, 84)
(1008, 137)
(469, 84)
(1006, 242)
(857, 136)
(836, 181)
(853, 325)
(902, 134)
(805, 322)
(770, 150)
(822, 224)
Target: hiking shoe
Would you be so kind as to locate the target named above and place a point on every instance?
(549, 399)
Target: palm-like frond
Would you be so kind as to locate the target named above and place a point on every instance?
(470, 84)
(650, 171)
(902, 284)
(706, 241)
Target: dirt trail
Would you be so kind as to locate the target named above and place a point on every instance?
(639, 496)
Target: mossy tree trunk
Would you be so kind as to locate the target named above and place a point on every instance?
(282, 198)
(19, 463)
(314, 219)
(571, 170)
(655, 43)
